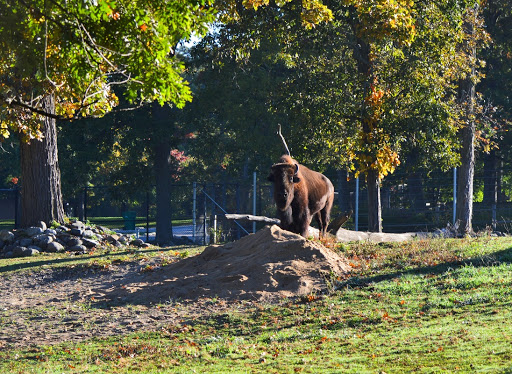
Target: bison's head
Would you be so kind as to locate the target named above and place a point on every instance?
(284, 176)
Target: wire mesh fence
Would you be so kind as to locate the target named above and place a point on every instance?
(410, 202)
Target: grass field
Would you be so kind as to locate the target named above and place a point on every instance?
(110, 222)
(427, 306)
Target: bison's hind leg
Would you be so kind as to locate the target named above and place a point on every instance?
(323, 217)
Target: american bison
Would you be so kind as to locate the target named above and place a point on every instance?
(300, 194)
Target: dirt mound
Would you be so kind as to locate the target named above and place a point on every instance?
(268, 265)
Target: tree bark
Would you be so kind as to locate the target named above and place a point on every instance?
(41, 196)
(467, 97)
(374, 201)
(162, 167)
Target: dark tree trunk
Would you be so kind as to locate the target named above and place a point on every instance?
(41, 196)
(465, 176)
(490, 178)
(162, 167)
(374, 203)
(467, 95)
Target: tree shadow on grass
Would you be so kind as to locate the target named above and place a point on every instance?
(496, 258)
(83, 260)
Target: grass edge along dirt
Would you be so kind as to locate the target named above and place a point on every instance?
(424, 306)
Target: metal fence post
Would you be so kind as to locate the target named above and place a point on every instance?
(194, 202)
(454, 195)
(494, 217)
(357, 205)
(85, 203)
(254, 200)
(16, 203)
(147, 216)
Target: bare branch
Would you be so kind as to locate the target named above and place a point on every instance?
(284, 141)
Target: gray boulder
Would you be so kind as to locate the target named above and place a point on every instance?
(55, 247)
(78, 249)
(6, 236)
(42, 225)
(74, 241)
(19, 251)
(34, 231)
(25, 242)
(43, 240)
(89, 243)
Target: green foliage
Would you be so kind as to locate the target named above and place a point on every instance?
(78, 52)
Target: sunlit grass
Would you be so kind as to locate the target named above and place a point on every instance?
(427, 306)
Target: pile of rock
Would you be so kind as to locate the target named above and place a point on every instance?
(75, 238)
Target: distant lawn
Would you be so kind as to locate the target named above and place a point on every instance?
(6, 224)
(110, 222)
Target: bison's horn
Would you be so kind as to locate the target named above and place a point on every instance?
(296, 169)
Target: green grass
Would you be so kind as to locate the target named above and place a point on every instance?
(109, 222)
(429, 306)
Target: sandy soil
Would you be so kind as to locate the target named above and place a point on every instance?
(73, 304)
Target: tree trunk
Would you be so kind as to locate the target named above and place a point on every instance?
(41, 196)
(162, 169)
(374, 203)
(467, 96)
(464, 212)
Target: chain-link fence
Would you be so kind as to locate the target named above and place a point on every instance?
(410, 202)
(9, 208)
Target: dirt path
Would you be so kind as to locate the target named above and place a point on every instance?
(56, 305)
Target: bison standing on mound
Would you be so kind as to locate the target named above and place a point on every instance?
(300, 194)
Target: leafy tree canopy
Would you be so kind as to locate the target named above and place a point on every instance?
(79, 49)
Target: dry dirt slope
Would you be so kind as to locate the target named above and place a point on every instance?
(70, 304)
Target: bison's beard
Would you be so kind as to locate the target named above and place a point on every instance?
(283, 204)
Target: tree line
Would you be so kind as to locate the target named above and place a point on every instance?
(358, 86)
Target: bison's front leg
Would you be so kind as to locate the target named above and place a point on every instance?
(286, 219)
(302, 220)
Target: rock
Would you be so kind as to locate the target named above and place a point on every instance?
(77, 232)
(50, 232)
(55, 247)
(89, 234)
(73, 242)
(33, 231)
(103, 229)
(43, 240)
(64, 237)
(137, 242)
(78, 249)
(6, 236)
(112, 238)
(1, 244)
(42, 225)
(19, 251)
(25, 242)
(9, 247)
(35, 247)
(116, 244)
(89, 243)
(78, 225)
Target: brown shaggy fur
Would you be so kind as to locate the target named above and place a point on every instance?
(301, 194)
